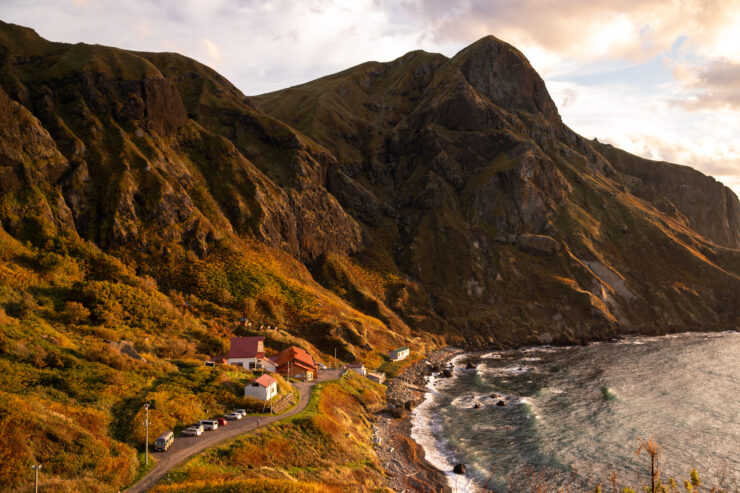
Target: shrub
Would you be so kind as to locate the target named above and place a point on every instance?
(75, 312)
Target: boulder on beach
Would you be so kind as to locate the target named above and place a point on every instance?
(501, 403)
(477, 405)
(459, 469)
(399, 412)
(445, 373)
(470, 365)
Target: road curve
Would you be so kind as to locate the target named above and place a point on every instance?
(186, 447)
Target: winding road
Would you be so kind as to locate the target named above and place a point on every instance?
(186, 447)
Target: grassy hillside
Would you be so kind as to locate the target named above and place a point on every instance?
(326, 448)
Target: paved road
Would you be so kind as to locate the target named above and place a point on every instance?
(186, 447)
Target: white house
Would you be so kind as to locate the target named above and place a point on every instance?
(249, 352)
(358, 368)
(263, 388)
(399, 354)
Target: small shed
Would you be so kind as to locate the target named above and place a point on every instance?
(399, 354)
(376, 376)
(263, 388)
(358, 368)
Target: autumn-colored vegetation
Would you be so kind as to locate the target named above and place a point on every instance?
(327, 447)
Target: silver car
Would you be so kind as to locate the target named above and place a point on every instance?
(191, 432)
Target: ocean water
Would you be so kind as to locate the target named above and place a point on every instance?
(574, 414)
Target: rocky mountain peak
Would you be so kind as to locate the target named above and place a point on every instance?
(502, 74)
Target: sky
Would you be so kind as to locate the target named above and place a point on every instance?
(658, 78)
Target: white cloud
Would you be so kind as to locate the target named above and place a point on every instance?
(212, 49)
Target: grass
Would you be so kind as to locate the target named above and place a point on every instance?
(327, 445)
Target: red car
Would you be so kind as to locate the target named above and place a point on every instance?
(222, 422)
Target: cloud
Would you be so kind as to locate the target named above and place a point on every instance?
(212, 49)
(714, 85)
(599, 29)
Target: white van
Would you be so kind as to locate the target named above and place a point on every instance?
(209, 424)
(164, 441)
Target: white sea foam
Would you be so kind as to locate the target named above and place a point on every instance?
(426, 430)
(505, 372)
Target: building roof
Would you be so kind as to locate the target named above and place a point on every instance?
(218, 358)
(265, 380)
(297, 356)
(245, 347)
(355, 365)
(400, 349)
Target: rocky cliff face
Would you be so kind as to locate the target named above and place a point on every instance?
(438, 196)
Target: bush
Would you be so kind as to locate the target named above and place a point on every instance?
(75, 312)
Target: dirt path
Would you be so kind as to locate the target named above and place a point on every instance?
(186, 447)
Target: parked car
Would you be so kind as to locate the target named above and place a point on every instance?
(198, 426)
(243, 412)
(321, 366)
(164, 441)
(209, 424)
(222, 421)
(191, 432)
(232, 416)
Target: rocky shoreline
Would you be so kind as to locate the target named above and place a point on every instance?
(403, 458)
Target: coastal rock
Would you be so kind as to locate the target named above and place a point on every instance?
(459, 468)
(501, 403)
(445, 373)
(470, 365)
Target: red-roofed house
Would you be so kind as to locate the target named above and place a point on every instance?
(249, 352)
(295, 362)
(263, 388)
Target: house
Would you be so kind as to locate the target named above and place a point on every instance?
(399, 354)
(295, 362)
(358, 368)
(219, 359)
(249, 352)
(376, 376)
(263, 388)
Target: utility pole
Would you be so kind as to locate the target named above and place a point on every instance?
(36, 477)
(336, 365)
(146, 442)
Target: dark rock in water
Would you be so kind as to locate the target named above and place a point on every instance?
(470, 365)
(495, 396)
(445, 374)
(459, 469)
(410, 405)
(477, 405)
(501, 403)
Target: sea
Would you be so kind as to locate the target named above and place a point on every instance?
(573, 417)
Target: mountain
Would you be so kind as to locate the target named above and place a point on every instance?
(466, 178)
(423, 201)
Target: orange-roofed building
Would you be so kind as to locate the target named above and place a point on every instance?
(263, 388)
(296, 362)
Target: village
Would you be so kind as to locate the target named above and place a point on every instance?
(292, 364)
